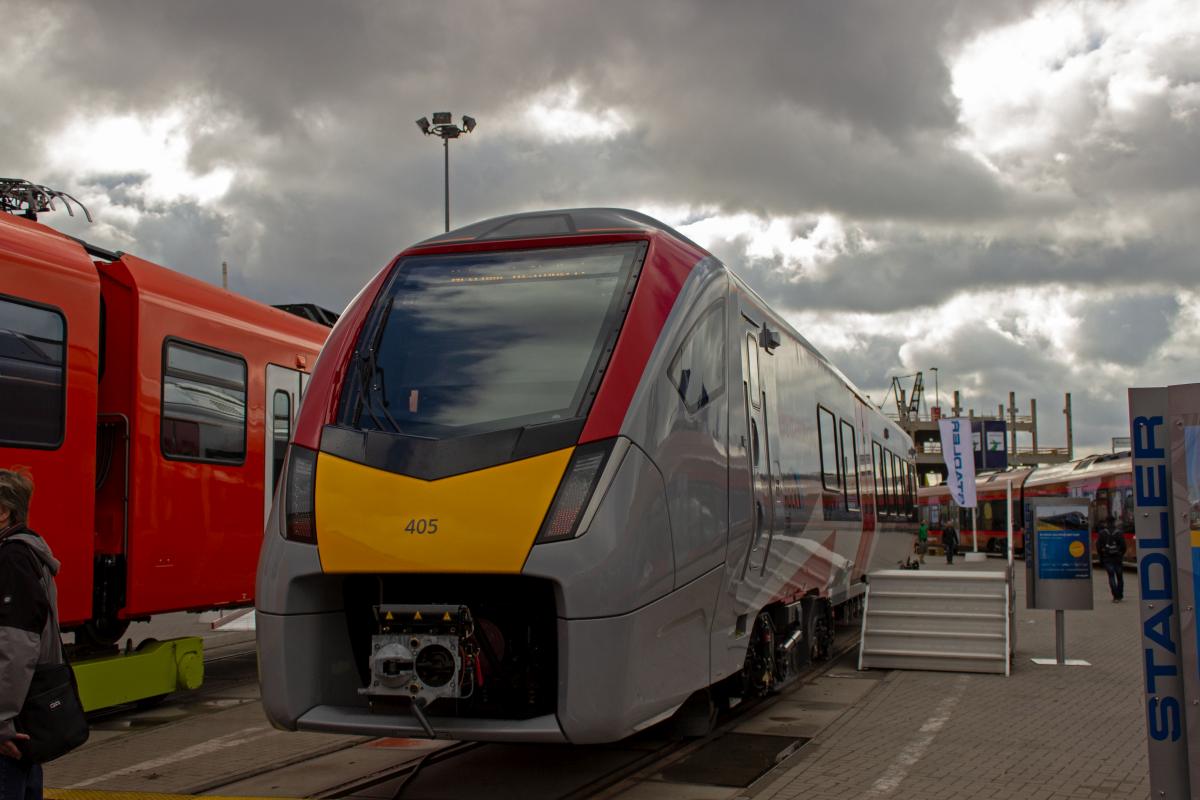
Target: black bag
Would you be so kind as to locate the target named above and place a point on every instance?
(52, 716)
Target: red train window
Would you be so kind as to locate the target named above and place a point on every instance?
(33, 343)
(203, 404)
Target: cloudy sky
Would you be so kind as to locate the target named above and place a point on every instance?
(1009, 192)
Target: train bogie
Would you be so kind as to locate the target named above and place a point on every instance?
(562, 471)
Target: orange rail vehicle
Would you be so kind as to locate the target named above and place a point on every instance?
(153, 411)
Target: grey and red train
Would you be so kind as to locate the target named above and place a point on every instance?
(557, 473)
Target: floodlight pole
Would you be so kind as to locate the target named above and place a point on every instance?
(446, 150)
(443, 126)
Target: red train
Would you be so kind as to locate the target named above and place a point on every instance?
(1105, 480)
(153, 410)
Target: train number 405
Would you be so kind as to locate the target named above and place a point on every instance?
(427, 525)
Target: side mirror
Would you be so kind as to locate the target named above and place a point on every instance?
(768, 339)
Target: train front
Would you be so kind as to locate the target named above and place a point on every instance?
(444, 439)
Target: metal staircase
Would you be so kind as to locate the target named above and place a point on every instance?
(938, 620)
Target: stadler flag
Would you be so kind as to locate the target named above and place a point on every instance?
(960, 460)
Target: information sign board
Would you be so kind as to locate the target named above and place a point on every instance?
(1058, 554)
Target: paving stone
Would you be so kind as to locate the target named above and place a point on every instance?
(1045, 732)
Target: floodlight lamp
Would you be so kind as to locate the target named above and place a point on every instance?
(442, 118)
(468, 123)
(423, 124)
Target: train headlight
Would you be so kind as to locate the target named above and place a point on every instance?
(300, 524)
(575, 490)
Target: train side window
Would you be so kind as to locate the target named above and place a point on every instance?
(850, 466)
(877, 475)
(752, 368)
(698, 369)
(281, 431)
(827, 430)
(33, 347)
(203, 404)
(885, 474)
(897, 489)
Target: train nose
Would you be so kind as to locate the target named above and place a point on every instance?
(372, 520)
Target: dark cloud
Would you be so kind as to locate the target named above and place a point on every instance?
(921, 271)
(781, 109)
(1127, 330)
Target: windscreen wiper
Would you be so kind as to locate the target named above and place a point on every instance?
(369, 372)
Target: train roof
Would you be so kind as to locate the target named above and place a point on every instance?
(592, 221)
(171, 281)
(556, 222)
(1084, 469)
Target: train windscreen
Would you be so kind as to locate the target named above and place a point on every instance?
(475, 342)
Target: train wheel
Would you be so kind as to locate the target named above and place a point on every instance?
(803, 654)
(102, 631)
(759, 675)
(822, 630)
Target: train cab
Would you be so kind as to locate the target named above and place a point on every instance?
(556, 473)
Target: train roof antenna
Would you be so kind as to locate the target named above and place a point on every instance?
(26, 199)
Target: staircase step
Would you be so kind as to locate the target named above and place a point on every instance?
(933, 654)
(938, 595)
(936, 634)
(876, 612)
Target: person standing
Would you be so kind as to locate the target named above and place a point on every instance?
(29, 635)
(1110, 546)
(922, 541)
(949, 542)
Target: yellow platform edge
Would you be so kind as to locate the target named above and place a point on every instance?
(100, 794)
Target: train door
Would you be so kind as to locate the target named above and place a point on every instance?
(757, 364)
(284, 389)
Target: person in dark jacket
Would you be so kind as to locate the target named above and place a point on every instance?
(949, 542)
(1110, 547)
(29, 634)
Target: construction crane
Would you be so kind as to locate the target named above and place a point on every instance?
(911, 407)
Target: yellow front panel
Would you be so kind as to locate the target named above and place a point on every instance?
(371, 520)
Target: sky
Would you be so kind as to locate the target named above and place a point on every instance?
(1006, 191)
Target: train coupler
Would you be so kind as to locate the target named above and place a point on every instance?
(423, 653)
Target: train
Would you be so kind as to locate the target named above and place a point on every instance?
(153, 411)
(1105, 480)
(560, 476)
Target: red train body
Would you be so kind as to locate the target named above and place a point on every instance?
(1105, 480)
(151, 409)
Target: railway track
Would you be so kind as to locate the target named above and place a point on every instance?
(539, 772)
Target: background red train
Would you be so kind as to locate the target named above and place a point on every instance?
(1105, 480)
(153, 410)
